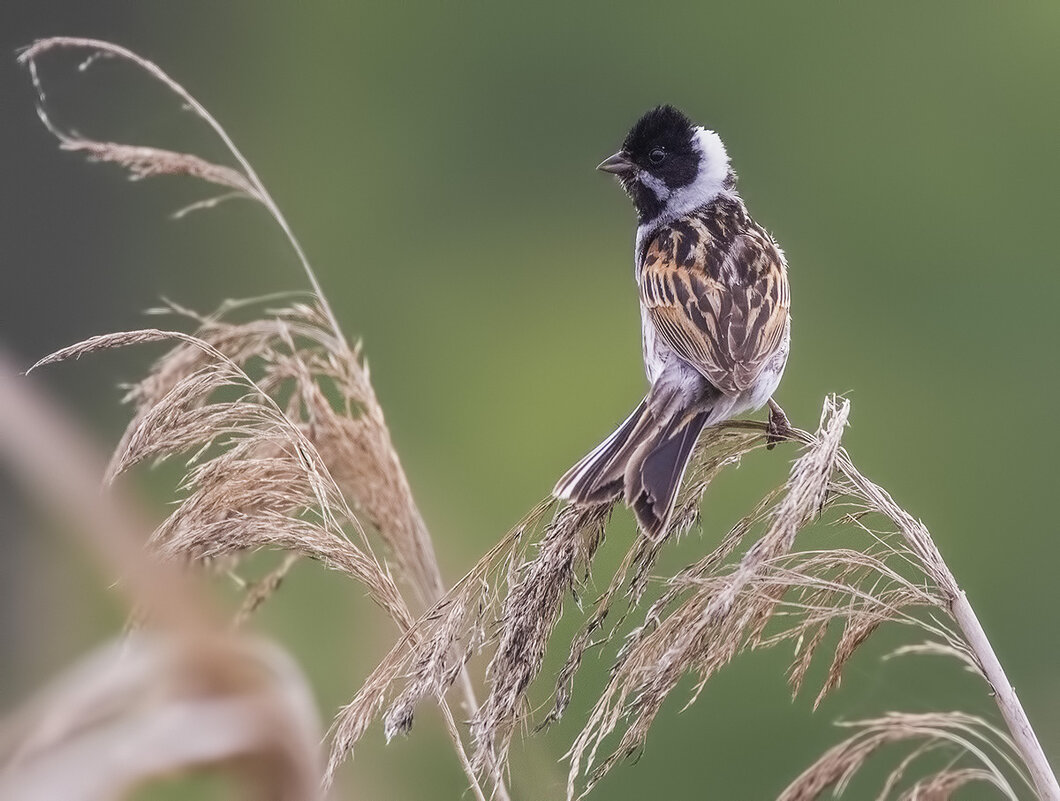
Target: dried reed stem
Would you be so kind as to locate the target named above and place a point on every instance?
(257, 187)
(407, 530)
(1016, 720)
(1018, 724)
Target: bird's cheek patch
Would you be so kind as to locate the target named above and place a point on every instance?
(658, 188)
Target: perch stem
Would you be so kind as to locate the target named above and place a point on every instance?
(919, 540)
(1012, 711)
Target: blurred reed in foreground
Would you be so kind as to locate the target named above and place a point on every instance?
(286, 449)
(184, 693)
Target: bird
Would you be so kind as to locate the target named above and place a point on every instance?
(715, 320)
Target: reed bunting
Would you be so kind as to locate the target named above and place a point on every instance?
(714, 316)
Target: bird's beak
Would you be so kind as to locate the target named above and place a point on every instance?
(618, 164)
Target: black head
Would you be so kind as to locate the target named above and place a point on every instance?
(659, 156)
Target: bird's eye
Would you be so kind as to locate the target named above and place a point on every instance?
(657, 156)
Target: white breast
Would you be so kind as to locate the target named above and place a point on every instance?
(656, 353)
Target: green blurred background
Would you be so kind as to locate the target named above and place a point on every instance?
(436, 161)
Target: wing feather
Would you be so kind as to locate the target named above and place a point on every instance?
(716, 290)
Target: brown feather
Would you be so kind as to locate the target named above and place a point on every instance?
(715, 286)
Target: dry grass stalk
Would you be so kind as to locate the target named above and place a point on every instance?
(256, 479)
(259, 591)
(98, 48)
(304, 346)
(266, 487)
(975, 642)
(811, 590)
(492, 605)
(397, 515)
(961, 737)
(942, 785)
(424, 662)
(707, 630)
(528, 617)
(710, 613)
(721, 449)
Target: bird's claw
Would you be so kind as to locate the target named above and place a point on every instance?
(778, 429)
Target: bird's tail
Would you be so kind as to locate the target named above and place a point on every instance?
(643, 462)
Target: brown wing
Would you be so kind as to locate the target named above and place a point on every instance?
(716, 289)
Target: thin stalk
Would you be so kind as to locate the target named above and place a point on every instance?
(1012, 711)
(200, 111)
(919, 540)
(1016, 721)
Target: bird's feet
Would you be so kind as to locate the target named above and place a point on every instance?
(778, 428)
